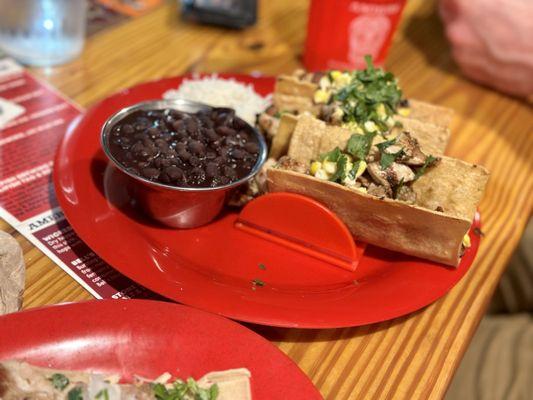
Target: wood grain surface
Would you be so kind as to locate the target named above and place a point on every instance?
(413, 357)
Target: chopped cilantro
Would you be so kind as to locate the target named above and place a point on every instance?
(422, 170)
(181, 390)
(369, 89)
(332, 155)
(397, 188)
(388, 158)
(59, 381)
(262, 266)
(75, 394)
(340, 172)
(359, 145)
(103, 394)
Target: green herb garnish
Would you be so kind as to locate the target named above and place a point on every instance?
(359, 145)
(59, 381)
(353, 172)
(103, 394)
(181, 390)
(332, 155)
(75, 394)
(372, 95)
(422, 170)
(340, 172)
(388, 158)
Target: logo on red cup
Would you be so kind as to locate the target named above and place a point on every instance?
(339, 37)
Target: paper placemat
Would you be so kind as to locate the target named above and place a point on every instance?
(36, 117)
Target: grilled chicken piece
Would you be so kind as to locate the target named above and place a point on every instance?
(411, 148)
(392, 175)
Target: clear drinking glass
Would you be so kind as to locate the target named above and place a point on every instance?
(42, 32)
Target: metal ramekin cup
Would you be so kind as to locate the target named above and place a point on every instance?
(178, 207)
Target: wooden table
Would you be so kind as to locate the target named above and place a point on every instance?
(410, 357)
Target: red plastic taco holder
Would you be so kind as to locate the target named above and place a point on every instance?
(303, 225)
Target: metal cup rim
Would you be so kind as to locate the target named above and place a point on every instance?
(174, 104)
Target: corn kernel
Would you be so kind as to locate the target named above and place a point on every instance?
(324, 82)
(370, 126)
(329, 167)
(404, 111)
(315, 166)
(380, 111)
(321, 96)
(466, 241)
(361, 169)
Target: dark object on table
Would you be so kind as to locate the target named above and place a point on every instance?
(229, 13)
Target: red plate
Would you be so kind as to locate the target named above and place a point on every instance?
(148, 338)
(213, 267)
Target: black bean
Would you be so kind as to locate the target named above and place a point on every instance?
(127, 129)
(229, 172)
(194, 161)
(209, 148)
(211, 170)
(150, 173)
(184, 155)
(225, 131)
(251, 147)
(211, 134)
(239, 123)
(196, 147)
(192, 125)
(238, 154)
(174, 173)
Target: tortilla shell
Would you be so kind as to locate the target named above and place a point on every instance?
(304, 145)
(291, 85)
(282, 138)
(430, 113)
(294, 104)
(433, 139)
(454, 185)
(395, 225)
(12, 274)
(312, 137)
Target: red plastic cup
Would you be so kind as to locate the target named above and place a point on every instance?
(341, 33)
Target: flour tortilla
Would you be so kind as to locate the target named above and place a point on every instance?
(452, 184)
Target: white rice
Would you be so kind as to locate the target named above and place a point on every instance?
(218, 92)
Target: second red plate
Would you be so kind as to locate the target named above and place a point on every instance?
(217, 267)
